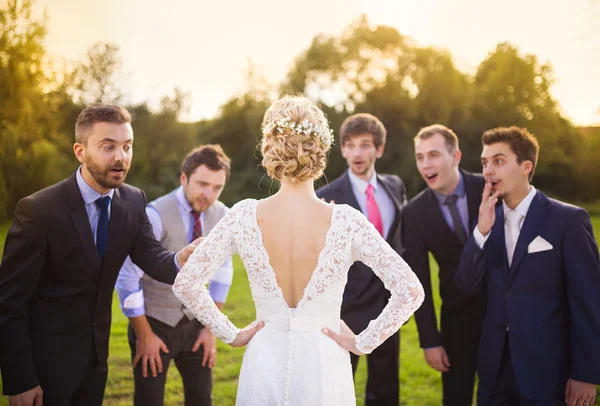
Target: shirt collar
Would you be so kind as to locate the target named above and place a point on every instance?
(523, 207)
(180, 196)
(89, 194)
(458, 191)
(361, 185)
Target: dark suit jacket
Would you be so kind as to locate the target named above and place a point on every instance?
(55, 296)
(425, 230)
(365, 296)
(548, 302)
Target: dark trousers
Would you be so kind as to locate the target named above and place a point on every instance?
(197, 380)
(383, 364)
(461, 346)
(505, 391)
(90, 391)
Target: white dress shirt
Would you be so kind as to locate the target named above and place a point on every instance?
(522, 208)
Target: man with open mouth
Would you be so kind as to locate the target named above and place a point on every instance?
(61, 258)
(381, 198)
(438, 221)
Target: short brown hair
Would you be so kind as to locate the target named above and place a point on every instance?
(450, 137)
(98, 113)
(520, 141)
(363, 123)
(211, 155)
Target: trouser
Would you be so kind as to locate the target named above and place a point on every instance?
(383, 364)
(90, 391)
(197, 380)
(461, 344)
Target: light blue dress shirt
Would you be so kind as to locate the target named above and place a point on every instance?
(128, 281)
(89, 198)
(384, 201)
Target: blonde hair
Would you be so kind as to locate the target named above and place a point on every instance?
(295, 139)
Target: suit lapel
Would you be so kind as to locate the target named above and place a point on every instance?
(347, 192)
(388, 188)
(435, 217)
(533, 221)
(118, 209)
(397, 205)
(473, 199)
(81, 222)
(497, 237)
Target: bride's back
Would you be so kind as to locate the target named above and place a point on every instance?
(293, 233)
(294, 223)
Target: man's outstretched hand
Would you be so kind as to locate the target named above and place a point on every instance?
(184, 254)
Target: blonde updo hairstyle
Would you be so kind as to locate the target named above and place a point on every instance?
(290, 150)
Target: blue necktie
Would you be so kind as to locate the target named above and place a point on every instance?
(102, 230)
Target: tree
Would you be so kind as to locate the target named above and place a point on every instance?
(341, 70)
(160, 144)
(515, 90)
(377, 70)
(30, 130)
(237, 130)
(97, 79)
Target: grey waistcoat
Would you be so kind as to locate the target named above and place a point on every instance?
(161, 304)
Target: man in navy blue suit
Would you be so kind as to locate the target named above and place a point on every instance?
(537, 259)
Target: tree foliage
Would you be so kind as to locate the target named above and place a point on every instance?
(365, 68)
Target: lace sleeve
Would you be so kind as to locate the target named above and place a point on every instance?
(407, 293)
(190, 284)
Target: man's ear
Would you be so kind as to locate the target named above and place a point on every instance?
(457, 155)
(183, 180)
(79, 151)
(379, 151)
(527, 167)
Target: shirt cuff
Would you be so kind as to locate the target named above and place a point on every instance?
(133, 305)
(479, 238)
(176, 262)
(129, 313)
(218, 291)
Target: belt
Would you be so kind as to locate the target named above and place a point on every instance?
(298, 323)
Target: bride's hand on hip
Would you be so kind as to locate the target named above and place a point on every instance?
(247, 333)
(345, 338)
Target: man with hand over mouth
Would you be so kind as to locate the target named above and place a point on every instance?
(537, 260)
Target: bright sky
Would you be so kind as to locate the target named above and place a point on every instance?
(203, 47)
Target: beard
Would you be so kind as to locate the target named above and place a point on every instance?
(363, 168)
(201, 205)
(103, 177)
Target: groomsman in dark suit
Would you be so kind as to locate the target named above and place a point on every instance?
(537, 260)
(381, 198)
(61, 259)
(438, 221)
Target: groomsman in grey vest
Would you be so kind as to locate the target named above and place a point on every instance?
(160, 328)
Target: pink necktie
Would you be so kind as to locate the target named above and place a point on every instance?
(373, 214)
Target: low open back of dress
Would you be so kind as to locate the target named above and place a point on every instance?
(293, 256)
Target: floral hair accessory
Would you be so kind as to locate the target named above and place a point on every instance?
(305, 127)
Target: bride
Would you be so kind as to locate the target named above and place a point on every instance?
(297, 250)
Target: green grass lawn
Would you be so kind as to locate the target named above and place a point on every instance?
(420, 385)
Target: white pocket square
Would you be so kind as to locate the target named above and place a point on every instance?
(538, 245)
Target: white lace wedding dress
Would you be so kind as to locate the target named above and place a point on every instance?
(290, 361)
